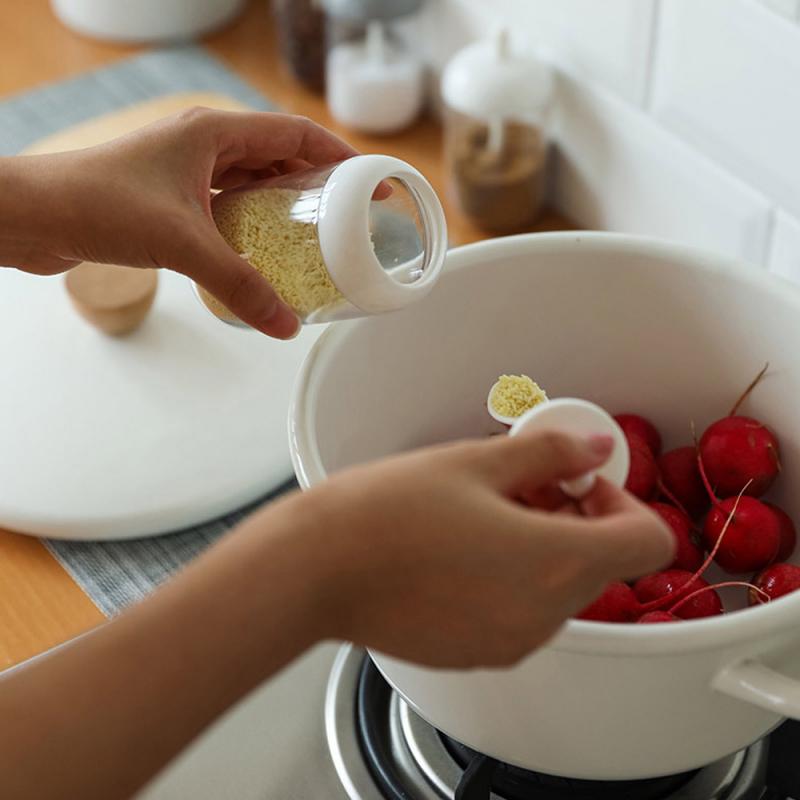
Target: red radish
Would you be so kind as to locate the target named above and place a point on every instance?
(634, 425)
(788, 533)
(752, 538)
(643, 473)
(689, 553)
(776, 581)
(737, 451)
(675, 585)
(617, 603)
(695, 598)
(681, 481)
(658, 616)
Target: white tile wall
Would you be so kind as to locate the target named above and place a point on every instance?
(727, 79)
(681, 118)
(789, 8)
(617, 169)
(785, 256)
(606, 39)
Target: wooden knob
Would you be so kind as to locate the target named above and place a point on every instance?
(114, 299)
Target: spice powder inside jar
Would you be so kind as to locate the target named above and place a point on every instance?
(284, 249)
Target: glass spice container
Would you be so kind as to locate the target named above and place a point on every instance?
(363, 236)
(375, 79)
(497, 108)
(302, 40)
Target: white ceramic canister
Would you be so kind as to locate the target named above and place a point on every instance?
(375, 80)
(360, 237)
(145, 20)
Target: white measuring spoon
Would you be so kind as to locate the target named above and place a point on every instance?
(508, 421)
(582, 418)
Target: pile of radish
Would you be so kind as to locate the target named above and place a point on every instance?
(709, 493)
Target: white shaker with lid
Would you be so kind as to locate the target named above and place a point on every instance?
(497, 105)
(363, 236)
(375, 80)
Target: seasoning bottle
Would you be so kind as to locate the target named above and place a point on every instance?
(496, 139)
(360, 237)
(302, 40)
(375, 80)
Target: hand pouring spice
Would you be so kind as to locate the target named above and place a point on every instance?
(360, 237)
(497, 105)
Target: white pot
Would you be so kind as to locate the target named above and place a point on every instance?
(145, 20)
(635, 326)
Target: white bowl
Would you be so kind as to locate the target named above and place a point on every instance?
(633, 325)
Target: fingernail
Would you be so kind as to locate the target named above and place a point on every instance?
(601, 444)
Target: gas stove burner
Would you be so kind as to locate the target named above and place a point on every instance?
(483, 774)
(383, 750)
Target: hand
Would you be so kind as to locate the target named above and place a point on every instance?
(433, 558)
(144, 200)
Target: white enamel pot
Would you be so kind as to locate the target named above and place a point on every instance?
(632, 325)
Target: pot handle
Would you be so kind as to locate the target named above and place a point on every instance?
(760, 685)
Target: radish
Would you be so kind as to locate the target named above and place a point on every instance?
(693, 598)
(635, 425)
(776, 581)
(677, 584)
(643, 472)
(753, 537)
(658, 616)
(737, 451)
(689, 552)
(617, 603)
(788, 533)
(680, 480)
(740, 451)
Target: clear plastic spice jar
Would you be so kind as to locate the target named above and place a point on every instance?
(375, 79)
(302, 40)
(497, 108)
(363, 236)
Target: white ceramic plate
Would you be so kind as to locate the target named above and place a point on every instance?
(105, 438)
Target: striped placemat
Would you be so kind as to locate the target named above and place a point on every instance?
(115, 574)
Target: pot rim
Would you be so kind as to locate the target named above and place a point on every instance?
(577, 636)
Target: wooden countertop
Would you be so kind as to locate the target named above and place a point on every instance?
(40, 605)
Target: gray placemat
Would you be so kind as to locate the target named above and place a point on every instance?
(115, 574)
(26, 117)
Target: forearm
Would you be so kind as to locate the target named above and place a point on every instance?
(106, 714)
(39, 199)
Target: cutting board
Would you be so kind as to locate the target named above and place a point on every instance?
(178, 423)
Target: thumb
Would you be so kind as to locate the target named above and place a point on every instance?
(531, 461)
(240, 290)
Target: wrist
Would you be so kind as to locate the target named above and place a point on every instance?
(37, 205)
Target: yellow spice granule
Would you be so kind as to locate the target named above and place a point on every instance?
(513, 395)
(283, 248)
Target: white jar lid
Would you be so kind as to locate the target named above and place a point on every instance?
(486, 80)
(373, 275)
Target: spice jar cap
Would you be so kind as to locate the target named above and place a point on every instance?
(345, 237)
(486, 79)
(370, 9)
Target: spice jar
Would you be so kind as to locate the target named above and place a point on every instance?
(496, 140)
(375, 80)
(302, 40)
(360, 237)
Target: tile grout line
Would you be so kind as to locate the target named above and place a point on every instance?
(652, 56)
